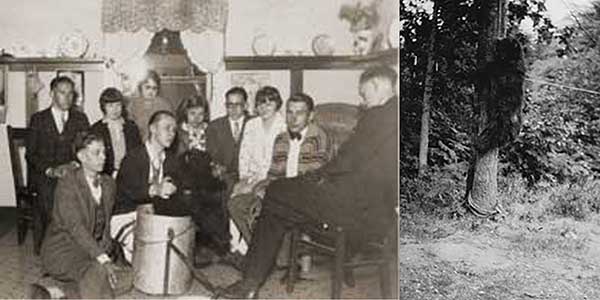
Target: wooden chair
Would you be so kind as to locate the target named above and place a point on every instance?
(332, 242)
(25, 196)
(338, 120)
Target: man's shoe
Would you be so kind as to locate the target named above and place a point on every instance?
(238, 290)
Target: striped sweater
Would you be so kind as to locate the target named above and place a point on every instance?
(316, 149)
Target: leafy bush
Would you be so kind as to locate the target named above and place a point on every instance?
(439, 192)
(575, 200)
(560, 139)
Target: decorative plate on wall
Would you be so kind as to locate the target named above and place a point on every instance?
(263, 44)
(322, 44)
(73, 44)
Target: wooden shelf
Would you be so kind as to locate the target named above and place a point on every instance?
(42, 64)
(346, 62)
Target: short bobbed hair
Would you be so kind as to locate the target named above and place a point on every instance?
(267, 94)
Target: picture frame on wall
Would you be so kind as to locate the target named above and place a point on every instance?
(78, 78)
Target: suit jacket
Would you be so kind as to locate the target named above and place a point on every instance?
(132, 180)
(316, 150)
(46, 147)
(69, 243)
(220, 143)
(364, 174)
(132, 140)
(358, 188)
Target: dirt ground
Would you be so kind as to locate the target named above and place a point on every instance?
(483, 259)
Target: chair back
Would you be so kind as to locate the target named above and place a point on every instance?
(17, 138)
(338, 120)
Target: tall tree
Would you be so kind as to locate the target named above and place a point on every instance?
(456, 39)
(497, 105)
(426, 113)
(482, 182)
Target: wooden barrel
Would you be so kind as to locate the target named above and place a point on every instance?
(159, 270)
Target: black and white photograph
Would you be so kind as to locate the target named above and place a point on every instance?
(205, 149)
(499, 142)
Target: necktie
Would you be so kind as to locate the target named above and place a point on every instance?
(236, 131)
(156, 170)
(62, 119)
(295, 135)
(96, 181)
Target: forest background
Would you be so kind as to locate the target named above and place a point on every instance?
(547, 243)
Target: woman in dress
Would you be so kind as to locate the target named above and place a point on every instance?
(120, 134)
(255, 154)
(202, 192)
(193, 118)
(148, 102)
(259, 136)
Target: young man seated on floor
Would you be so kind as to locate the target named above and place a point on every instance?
(78, 239)
(356, 190)
(148, 174)
(303, 147)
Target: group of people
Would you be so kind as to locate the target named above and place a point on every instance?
(244, 180)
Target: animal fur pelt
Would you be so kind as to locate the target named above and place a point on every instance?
(502, 83)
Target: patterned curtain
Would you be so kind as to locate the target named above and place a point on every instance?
(155, 15)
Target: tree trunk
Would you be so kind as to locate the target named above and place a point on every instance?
(426, 114)
(481, 194)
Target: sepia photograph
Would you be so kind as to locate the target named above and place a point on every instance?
(499, 167)
(203, 149)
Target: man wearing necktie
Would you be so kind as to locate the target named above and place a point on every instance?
(148, 174)
(78, 241)
(303, 147)
(49, 152)
(223, 136)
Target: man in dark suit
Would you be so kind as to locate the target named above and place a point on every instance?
(223, 140)
(223, 135)
(49, 149)
(357, 190)
(148, 174)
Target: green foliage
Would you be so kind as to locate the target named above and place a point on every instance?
(453, 80)
(578, 201)
(439, 192)
(560, 139)
(582, 35)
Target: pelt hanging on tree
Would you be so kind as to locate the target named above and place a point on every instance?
(503, 77)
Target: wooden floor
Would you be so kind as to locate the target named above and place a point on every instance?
(19, 267)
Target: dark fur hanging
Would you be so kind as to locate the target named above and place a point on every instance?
(503, 78)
